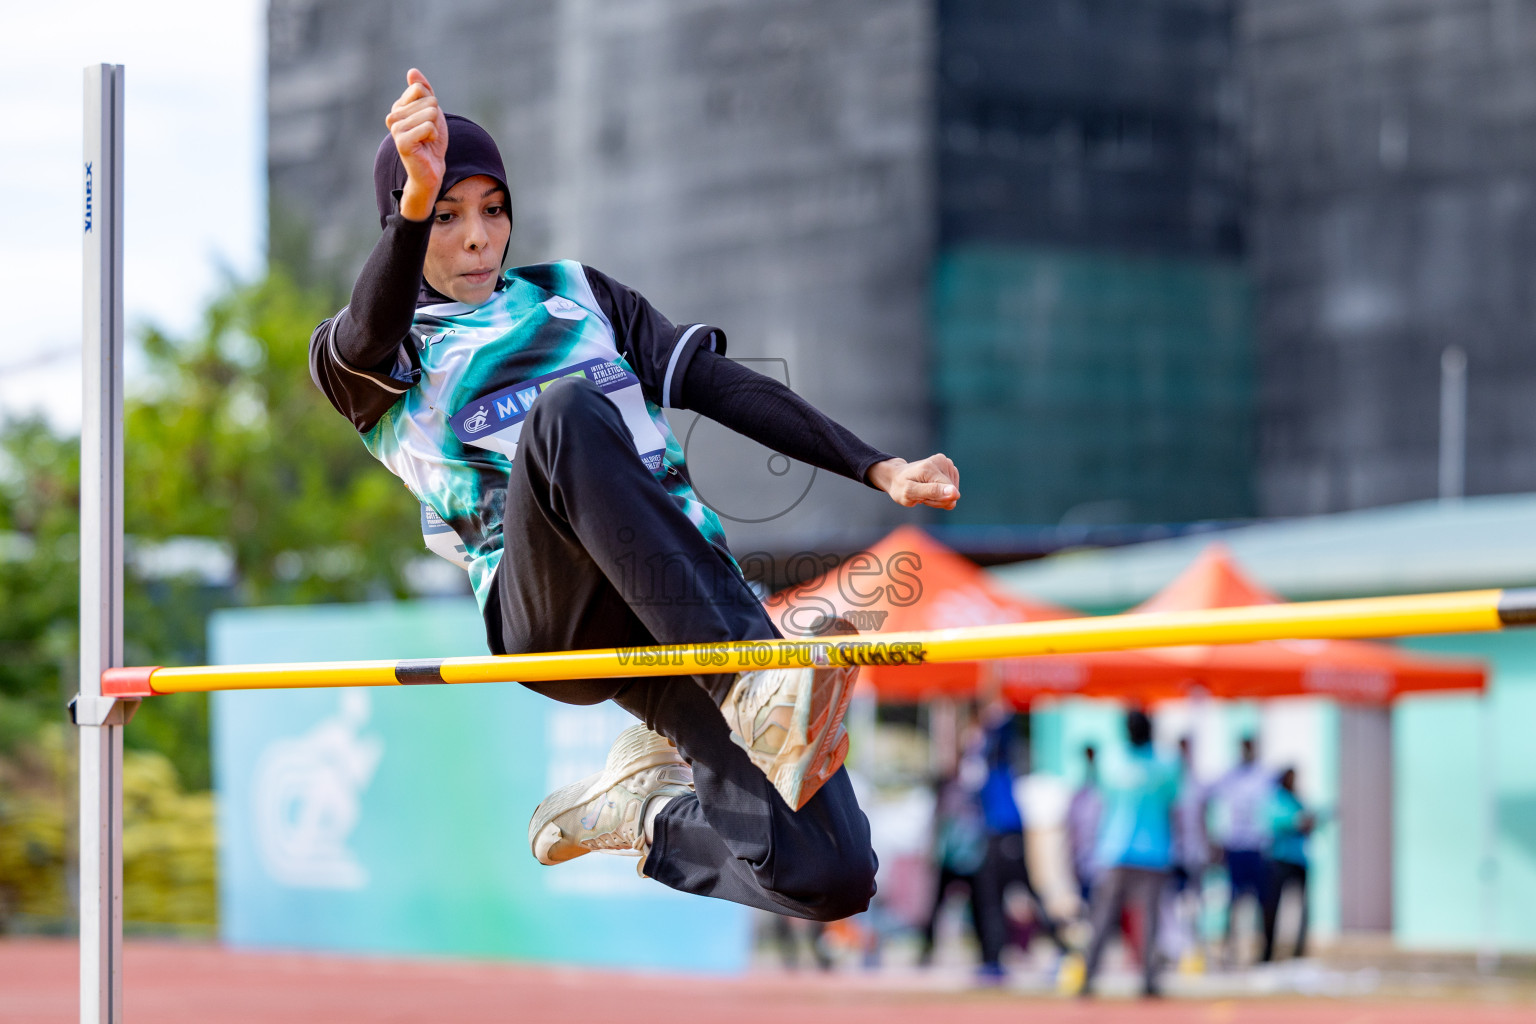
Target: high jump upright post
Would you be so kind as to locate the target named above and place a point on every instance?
(101, 718)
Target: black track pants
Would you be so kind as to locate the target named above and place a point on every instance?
(1007, 864)
(598, 554)
(1284, 874)
(1115, 889)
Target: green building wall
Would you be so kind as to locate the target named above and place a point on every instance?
(1443, 749)
(1095, 386)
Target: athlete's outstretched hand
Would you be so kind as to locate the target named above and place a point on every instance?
(933, 481)
(420, 131)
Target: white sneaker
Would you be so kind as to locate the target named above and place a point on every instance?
(605, 813)
(790, 722)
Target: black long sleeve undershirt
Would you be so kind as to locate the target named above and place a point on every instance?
(771, 414)
(384, 298)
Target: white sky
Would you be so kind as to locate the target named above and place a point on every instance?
(195, 172)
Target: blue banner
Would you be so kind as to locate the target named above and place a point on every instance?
(395, 819)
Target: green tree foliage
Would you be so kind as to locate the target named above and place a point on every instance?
(228, 441)
(168, 839)
(39, 584)
(34, 829)
(169, 853)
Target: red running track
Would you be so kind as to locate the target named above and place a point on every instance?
(201, 984)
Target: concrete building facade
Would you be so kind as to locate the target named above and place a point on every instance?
(1393, 165)
(1092, 337)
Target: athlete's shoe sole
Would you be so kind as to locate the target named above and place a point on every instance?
(790, 723)
(641, 765)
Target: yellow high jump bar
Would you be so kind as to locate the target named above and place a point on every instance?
(1471, 611)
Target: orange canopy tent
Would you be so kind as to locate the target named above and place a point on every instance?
(909, 581)
(1349, 670)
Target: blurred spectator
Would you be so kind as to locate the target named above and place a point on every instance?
(1006, 863)
(787, 932)
(1083, 815)
(866, 934)
(1243, 798)
(1135, 848)
(1191, 853)
(1290, 825)
(959, 847)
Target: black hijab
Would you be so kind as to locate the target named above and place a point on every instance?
(471, 151)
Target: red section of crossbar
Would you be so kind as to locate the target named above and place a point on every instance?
(128, 682)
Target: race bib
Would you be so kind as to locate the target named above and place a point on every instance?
(495, 421)
(441, 539)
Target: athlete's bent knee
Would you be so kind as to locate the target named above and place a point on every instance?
(572, 407)
(564, 398)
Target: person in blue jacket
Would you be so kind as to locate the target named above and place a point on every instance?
(1007, 861)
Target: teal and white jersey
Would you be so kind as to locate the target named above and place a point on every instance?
(446, 418)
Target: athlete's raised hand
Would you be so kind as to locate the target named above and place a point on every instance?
(420, 131)
(932, 481)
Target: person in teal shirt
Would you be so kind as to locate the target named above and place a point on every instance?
(1290, 823)
(1135, 847)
